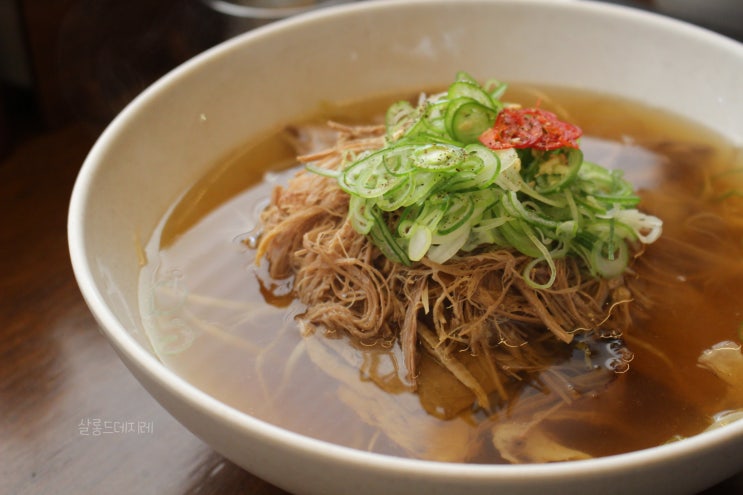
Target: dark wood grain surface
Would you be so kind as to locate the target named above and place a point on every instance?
(73, 420)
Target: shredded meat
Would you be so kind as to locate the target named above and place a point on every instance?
(477, 303)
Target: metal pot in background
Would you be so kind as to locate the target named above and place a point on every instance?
(721, 15)
(244, 15)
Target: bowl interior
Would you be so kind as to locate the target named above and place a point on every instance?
(252, 85)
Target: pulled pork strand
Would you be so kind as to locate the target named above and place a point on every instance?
(478, 302)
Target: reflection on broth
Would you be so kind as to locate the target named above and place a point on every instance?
(219, 320)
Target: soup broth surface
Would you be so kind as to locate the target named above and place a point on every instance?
(214, 319)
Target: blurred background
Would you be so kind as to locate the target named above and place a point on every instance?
(83, 60)
(65, 61)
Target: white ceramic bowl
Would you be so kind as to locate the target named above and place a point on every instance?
(178, 128)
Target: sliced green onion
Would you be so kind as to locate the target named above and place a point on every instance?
(496, 89)
(459, 211)
(419, 241)
(399, 116)
(397, 197)
(437, 156)
(516, 208)
(386, 242)
(434, 190)
(448, 246)
(360, 214)
(470, 90)
(558, 181)
(546, 257)
(466, 119)
(325, 172)
(607, 260)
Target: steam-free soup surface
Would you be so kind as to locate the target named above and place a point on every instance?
(212, 318)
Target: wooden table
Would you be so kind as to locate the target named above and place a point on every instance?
(58, 375)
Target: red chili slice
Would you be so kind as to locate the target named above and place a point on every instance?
(558, 133)
(512, 129)
(530, 128)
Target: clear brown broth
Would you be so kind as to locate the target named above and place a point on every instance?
(207, 318)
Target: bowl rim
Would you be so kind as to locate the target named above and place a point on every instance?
(126, 344)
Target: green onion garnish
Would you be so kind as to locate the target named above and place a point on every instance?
(463, 170)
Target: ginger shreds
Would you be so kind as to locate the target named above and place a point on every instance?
(477, 303)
